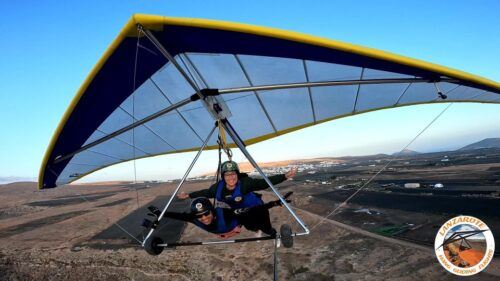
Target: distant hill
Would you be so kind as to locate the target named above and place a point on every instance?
(379, 155)
(6, 180)
(486, 143)
(406, 152)
(247, 167)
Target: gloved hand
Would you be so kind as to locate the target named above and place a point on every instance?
(279, 203)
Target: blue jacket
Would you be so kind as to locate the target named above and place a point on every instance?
(237, 199)
(221, 223)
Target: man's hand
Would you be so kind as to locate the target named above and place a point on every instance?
(183, 195)
(291, 173)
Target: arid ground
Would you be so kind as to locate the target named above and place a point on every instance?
(69, 233)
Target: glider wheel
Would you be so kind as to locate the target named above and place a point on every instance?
(286, 235)
(152, 247)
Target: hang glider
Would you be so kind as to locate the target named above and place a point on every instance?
(462, 237)
(150, 92)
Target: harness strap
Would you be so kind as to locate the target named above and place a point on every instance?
(223, 141)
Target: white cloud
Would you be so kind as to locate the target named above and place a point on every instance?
(465, 227)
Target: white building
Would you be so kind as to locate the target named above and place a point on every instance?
(412, 185)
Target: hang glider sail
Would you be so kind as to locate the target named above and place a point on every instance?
(136, 103)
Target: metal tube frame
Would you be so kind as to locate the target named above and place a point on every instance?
(168, 56)
(229, 129)
(259, 99)
(125, 129)
(243, 240)
(160, 217)
(276, 263)
(330, 83)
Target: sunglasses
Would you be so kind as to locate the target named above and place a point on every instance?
(204, 214)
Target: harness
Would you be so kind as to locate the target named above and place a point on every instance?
(237, 199)
(221, 226)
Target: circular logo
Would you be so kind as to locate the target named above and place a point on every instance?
(464, 245)
(238, 199)
(199, 206)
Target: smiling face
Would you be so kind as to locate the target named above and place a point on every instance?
(231, 179)
(205, 219)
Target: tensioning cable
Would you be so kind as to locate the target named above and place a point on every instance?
(382, 169)
(104, 215)
(223, 141)
(133, 148)
(133, 118)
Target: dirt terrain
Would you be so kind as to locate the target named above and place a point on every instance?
(58, 234)
(463, 257)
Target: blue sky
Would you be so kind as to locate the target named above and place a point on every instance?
(49, 47)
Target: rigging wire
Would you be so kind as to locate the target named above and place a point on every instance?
(217, 175)
(382, 169)
(219, 154)
(133, 116)
(104, 215)
(134, 152)
(222, 146)
(134, 87)
(223, 141)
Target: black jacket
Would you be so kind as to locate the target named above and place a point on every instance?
(247, 185)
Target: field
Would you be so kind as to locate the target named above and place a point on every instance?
(384, 233)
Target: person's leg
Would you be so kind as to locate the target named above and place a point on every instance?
(258, 219)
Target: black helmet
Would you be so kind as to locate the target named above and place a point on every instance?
(201, 206)
(229, 166)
